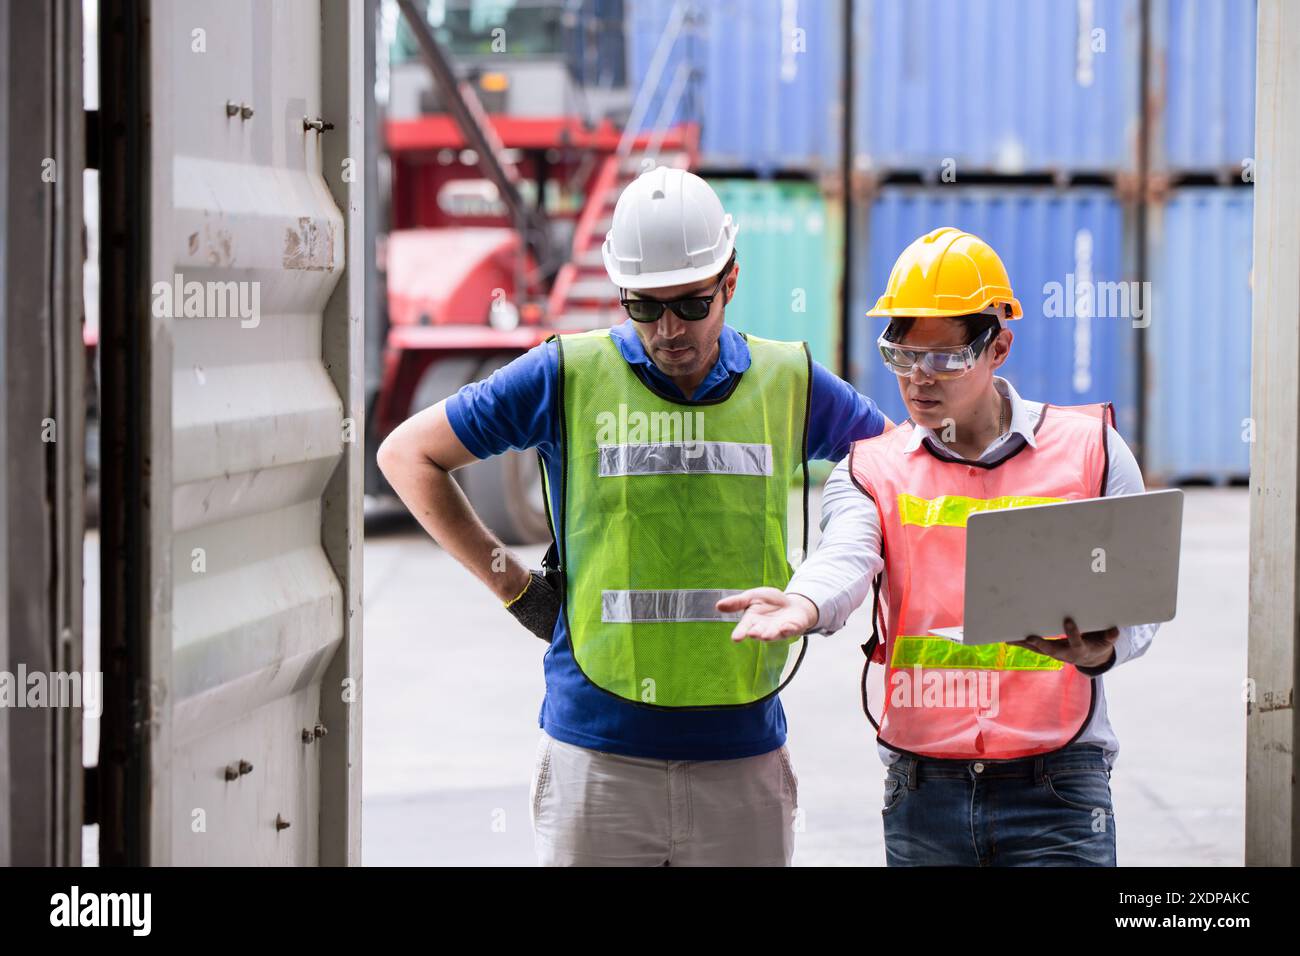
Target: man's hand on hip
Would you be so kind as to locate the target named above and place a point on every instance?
(769, 614)
(538, 606)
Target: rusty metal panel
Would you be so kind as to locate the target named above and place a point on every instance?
(255, 565)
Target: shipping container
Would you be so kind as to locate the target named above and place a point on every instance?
(764, 80)
(762, 77)
(596, 42)
(1065, 252)
(1008, 86)
(233, 433)
(790, 252)
(1203, 72)
(1198, 345)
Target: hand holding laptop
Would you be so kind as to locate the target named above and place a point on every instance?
(1082, 649)
(1108, 562)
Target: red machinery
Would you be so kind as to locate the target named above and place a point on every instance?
(476, 274)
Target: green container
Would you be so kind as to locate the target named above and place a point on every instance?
(790, 252)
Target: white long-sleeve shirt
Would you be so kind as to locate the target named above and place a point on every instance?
(838, 577)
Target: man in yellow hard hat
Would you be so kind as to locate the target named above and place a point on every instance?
(1017, 773)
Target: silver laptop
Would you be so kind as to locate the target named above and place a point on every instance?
(1106, 562)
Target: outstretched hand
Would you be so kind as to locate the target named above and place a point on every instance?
(769, 614)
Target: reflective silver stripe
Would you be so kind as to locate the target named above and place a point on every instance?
(686, 458)
(632, 607)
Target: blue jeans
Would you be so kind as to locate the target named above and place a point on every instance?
(1053, 810)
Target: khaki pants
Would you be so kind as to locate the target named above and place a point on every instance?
(591, 808)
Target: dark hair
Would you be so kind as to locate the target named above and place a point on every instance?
(976, 325)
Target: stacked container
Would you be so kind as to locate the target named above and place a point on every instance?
(1064, 250)
(1061, 98)
(1006, 86)
(1198, 343)
(1020, 117)
(1199, 241)
(1203, 73)
(790, 253)
(762, 77)
(1023, 122)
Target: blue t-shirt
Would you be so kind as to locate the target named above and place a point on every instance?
(515, 408)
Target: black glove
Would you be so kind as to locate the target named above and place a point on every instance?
(538, 607)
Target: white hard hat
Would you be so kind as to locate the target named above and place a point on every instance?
(669, 229)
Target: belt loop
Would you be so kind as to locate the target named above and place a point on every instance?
(1038, 770)
(912, 781)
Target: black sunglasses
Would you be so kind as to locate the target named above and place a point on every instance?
(690, 309)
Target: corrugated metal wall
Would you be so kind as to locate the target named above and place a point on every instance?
(1004, 85)
(790, 252)
(1198, 351)
(1204, 64)
(766, 77)
(1052, 242)
(263, 477)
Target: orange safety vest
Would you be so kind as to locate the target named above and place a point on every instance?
(944, 700)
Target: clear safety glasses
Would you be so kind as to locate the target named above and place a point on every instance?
(943, 363)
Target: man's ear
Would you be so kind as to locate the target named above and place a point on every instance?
(1001, 346)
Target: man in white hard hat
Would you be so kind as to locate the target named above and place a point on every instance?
(670, 444)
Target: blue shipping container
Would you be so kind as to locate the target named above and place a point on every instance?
(595, 41)
(999, 85)
(1198, 349)
(764, 79)
(1206, 59)
(1064, 251)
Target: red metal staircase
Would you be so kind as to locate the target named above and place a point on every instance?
(582, 296)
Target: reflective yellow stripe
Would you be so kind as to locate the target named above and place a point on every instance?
(953, 510)
(925, 651)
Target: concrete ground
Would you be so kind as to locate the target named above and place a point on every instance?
(453, 685)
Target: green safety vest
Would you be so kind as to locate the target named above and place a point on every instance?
(669, 505)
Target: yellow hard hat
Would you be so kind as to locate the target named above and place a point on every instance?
(947, 273)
